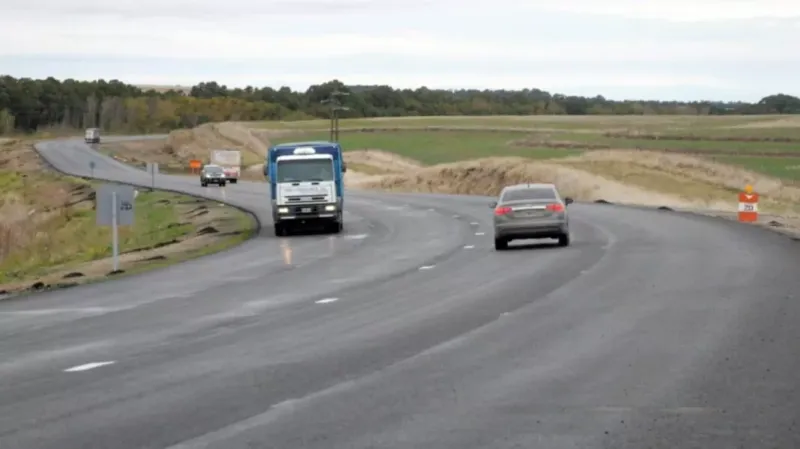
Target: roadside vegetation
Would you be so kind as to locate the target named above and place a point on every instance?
(50, 105)
(679, 154)
(48, 236)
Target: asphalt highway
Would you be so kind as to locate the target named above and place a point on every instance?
(653, 329)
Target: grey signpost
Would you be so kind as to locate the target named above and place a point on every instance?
(91, 168)
(115, 207)
(152, 169)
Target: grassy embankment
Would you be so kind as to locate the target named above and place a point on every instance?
(678, 161)
(48, 236)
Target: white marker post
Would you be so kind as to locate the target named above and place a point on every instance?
(152, 169)
(114, 233)
(115, 208)
(91, 168)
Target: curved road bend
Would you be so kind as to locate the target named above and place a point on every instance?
(654, 330)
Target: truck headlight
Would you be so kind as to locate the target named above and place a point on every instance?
(330, 208)
(283, 210)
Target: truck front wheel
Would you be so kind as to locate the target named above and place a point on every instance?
(335, 227)
(280, 229)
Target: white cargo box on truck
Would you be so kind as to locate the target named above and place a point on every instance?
(92, 135)
(230, 161)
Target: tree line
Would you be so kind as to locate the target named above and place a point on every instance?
(28, 105)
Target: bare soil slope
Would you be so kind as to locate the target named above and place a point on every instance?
(617, 176)
(638, 177)
(181, 146)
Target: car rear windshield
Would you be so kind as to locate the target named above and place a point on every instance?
(539, 193)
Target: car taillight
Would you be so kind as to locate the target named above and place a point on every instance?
(556, 207)
(502, 210)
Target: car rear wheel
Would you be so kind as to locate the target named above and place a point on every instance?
(500, 244)
(563, 240)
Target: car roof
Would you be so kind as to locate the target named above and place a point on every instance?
(529, 186)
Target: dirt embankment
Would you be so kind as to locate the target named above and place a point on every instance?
(618, 176)
(651, 178)
(181, 146)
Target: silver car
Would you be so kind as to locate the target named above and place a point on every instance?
(530, 211)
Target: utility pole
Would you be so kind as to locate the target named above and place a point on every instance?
(336, 106)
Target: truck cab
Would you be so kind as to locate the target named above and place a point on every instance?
(92, 135)
(307, 185)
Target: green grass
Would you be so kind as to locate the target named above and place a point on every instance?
(438, 147)
(711, 126)
(47, 225)
(685, 145)
(574, 134)
(69, 236)
(779, 167)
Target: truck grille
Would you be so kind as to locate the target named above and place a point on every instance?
(305, 199)
(310, 209)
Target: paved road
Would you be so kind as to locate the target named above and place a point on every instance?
(654, 330)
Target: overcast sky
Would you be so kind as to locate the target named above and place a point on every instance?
(661, 49)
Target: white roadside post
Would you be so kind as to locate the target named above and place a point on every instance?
(114, 233)
(152, 169)
(115, 208)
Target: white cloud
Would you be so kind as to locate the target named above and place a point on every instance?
(678, 10)
(531, 43)
(182, 38)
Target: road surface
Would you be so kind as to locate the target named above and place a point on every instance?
(653, 330)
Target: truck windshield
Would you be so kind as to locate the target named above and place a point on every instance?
(305, 170)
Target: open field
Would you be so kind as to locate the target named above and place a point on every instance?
(762, 153)
(761, 126)
(766, 144)
(48, 235)
(617, 159)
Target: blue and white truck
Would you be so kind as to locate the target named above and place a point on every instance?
(306, 181)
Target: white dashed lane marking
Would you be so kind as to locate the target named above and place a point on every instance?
(88, 366)
(327, 300)
(480, 233)
(469, 247)
(426, 267)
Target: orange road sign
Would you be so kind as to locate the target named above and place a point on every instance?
(195, 164)
(748, 205)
